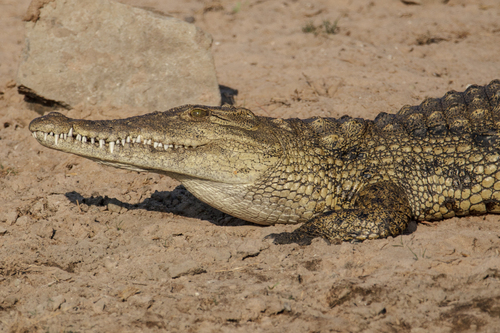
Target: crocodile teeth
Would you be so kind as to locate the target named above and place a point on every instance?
(112, 145)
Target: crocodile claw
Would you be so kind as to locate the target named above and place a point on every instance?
(289, 238)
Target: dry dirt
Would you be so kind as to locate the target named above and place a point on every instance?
(88, 248)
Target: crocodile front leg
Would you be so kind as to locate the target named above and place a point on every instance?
(381, 209)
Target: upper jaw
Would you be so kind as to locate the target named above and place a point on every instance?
(60, 141)
(60, 132)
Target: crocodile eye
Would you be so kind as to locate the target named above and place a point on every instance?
(199, 113)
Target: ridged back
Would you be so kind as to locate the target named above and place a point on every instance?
(475, 111)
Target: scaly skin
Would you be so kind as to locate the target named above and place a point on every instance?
(347, 179)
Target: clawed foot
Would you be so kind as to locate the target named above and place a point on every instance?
(289, 238)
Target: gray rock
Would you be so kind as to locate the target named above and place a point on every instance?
(103, 53)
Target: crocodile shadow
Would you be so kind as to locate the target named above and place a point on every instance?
(178, 202)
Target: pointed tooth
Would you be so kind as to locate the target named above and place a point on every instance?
(92, 140)
(51, 133)
(45, 136)
(133, 140)
(61, 136)
(101, 143)
(34, 134)
(111, 146)
(117, 143)
(70, 133)
(165, 147)
(128, 139)
(65, 136)
(155, 144)
(170, 146)
(160, 145)
(84, 139)
(56, 138)
(79, 137)
(123, 142)
(149, 141)
(138, 140)
(176, 146)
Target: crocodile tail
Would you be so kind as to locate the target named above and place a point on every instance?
(476, 112)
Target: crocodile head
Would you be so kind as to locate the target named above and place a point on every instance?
(209, 149)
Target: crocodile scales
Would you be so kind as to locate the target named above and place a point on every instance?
(346, 179)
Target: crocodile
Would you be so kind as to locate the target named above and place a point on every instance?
(346, 179)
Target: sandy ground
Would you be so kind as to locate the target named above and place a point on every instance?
(88, 248)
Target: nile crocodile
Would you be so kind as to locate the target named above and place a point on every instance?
(346, 179)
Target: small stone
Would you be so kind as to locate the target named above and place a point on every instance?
(110, 264)
(23, 221)
(128, 292)
(217, 254)
(9, 217)
(249, 248)
(54, 202)
(66, 306)
(274, 306)
(141, 301)
(188, 267)
(43, 230)
(8, 302)
(55, 302)
(114, 208)
(255, 307)
(99, 306)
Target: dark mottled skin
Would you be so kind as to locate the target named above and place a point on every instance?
(346, 179)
